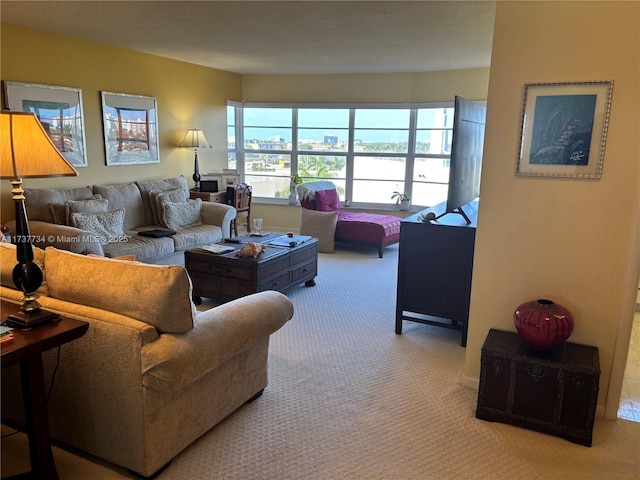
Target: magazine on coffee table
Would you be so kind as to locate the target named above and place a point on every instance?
(217, 248)
(287, 241)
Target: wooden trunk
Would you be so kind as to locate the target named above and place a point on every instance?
(553, 392)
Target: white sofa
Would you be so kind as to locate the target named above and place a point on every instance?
(50, 223)
(151, 374)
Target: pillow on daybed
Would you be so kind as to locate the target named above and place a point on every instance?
(321, 225)
(327, 201)
(107, 226)
(159, 295)
(177, 215)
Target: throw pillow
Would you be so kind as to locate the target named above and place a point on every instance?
(178, 215)
(60, 211)
(107, 226)
(327, 201)
(156, 198)
(321, 225)
(148, 186)
(94, 205)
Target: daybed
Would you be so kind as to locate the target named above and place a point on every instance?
(107, 220)
(321, 217)
(151, 374)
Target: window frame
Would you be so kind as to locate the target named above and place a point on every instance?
(350, 155)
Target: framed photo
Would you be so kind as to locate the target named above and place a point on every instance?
(230, 180)
(59, 110)
(130, 129)
(564, 129)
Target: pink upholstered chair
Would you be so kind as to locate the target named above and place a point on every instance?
(321, 216)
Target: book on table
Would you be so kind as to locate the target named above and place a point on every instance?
(5, 334)
(217, 248)
(287, 241)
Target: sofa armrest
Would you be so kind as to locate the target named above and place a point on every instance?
(45, 234)
(218, 214)
(176, 360)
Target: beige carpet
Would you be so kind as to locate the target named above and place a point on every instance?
(350, 399)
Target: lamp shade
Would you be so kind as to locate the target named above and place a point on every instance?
(195, 139)
(26, 151)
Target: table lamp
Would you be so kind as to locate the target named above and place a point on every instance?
(195, 139)
(26, 151)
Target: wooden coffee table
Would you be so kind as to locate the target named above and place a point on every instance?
(225, 277)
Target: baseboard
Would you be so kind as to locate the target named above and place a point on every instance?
(470, 382)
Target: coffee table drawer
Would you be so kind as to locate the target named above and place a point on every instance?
(308, 251)
(220, 269)
(304, 272)
(280, 282)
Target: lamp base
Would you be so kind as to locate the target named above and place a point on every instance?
(28, 320)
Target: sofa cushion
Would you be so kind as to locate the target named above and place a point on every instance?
(178, 215)
(156, 198)
(37, 200)
(195, 236)
(327, 201)
(133, 289)
(145, 249)
(107, 226)
(8, 261)
(125, 196)
(321, 225)
(145, 187)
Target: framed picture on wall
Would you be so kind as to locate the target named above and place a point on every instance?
(130, 125)
(59, 110)
(563, 129)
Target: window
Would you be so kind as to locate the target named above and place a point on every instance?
(368, 151)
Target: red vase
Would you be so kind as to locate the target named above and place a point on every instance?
(543, 324)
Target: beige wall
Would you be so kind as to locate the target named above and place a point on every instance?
(383, 88)
(359, 88)
(188, 96)
(564, 239)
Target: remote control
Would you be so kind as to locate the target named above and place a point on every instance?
(232, 240)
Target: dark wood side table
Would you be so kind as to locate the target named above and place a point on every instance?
(26, 349)
(216, 197)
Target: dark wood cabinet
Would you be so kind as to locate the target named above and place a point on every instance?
(435, 265)
(554, 392)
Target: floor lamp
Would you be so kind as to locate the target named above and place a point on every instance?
(195, 139)
(27, 152)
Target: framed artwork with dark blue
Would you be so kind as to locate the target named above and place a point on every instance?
(563, 129)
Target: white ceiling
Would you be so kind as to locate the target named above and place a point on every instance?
(286, 37)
